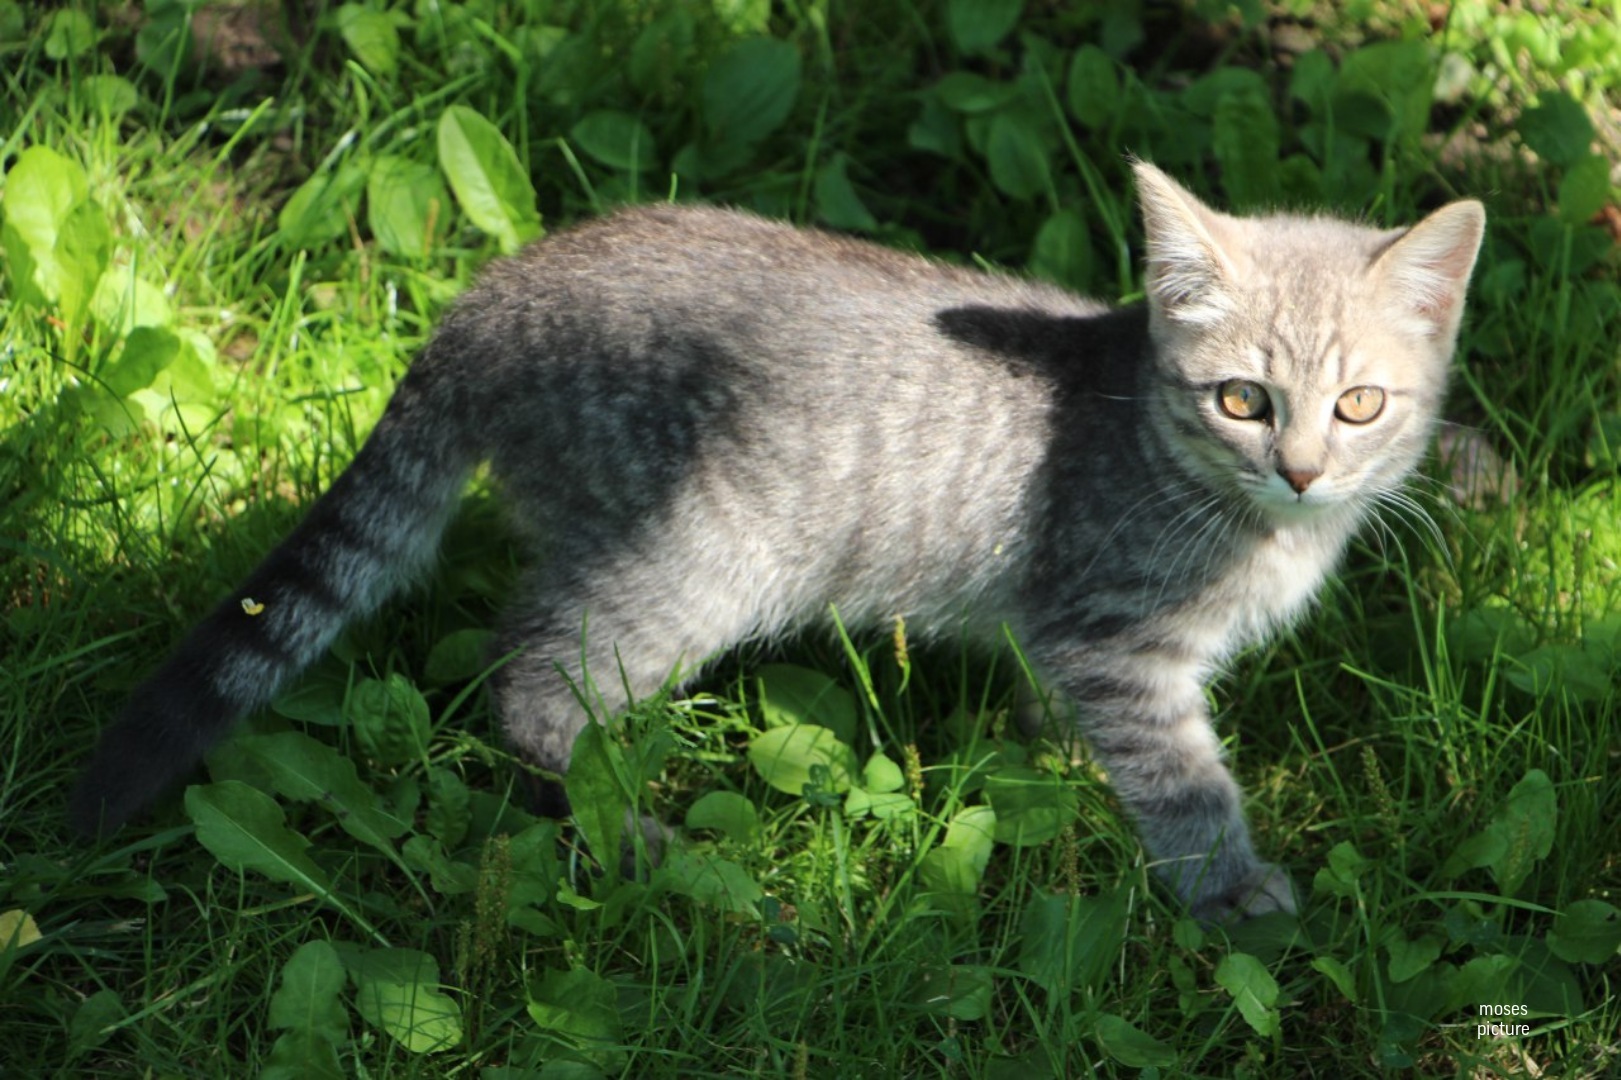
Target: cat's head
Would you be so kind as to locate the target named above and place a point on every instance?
(1304, 358)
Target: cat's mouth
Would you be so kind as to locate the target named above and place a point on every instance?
(1287, 501)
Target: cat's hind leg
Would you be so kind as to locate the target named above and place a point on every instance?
(589, 639)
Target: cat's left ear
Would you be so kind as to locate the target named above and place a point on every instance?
(1425, 270)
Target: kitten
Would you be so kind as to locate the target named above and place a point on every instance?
(714, 427)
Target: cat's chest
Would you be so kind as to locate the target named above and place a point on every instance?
(1266, 588)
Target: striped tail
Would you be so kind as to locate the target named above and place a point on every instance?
(378, 526)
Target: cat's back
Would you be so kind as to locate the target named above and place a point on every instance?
(687, 260)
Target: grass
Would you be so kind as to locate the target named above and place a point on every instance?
(1431, 753)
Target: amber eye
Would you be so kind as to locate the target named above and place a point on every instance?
(1243, 400)
(1360, 404)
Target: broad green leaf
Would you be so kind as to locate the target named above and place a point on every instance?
(1204, 95)
(317, 699)
(1547, 984)
(56, 238)
(1397, 75)
(91, 1022)
(1483, 980)
(1017, 158)
(1481, 849)
(597, 794)
(459, 655)
(449, 807)
(882, 775)
(750, 90)
(123, 301)
(1525, 822)
(701, 161)
(949, 871)
(1254, 991)
(307, 770)
(302, 1055)
(147, 351)
(390, 719)
(72, 33)
(556, 1069)
(1338, 974)
(108, 95)
(792, 695)
(1585, 189)
(1345, 865)
(1244, 137)
(1129, 1044)
(1586, 932)
(967, 92)
(1032, 807)
(398, 991)
(1067, 942)
(884, 806)
(936, 130)
(578, 1010)
(973, 832)
(662, 51)
(320, 209)
(978, 25)
(17, 930)
(728, 813)
(1565, 249)
(165, 41)
(1063, 250)
(41, 188)
(1312, 81)
(960, 991)
(371, 36)
(306, 997)
(536, 867)
(617, 139)
(784, 757)
(837, 203)
(244, 829)
(449, 877)
(1485, 633)
(1092, 88)
(1557, 129)
(406, 205)
(491, 185)
(710, 879)
(1408, 958)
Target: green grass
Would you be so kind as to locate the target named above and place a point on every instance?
(1432, 752)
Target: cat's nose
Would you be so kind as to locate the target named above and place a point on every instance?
(1300, 479)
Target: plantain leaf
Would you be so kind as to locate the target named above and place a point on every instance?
(244, 829)
(491, 185)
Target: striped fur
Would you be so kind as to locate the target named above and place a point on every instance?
(714, 427)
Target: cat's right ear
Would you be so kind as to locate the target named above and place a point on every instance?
(1190, 270)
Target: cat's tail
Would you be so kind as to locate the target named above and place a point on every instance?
(378, 525)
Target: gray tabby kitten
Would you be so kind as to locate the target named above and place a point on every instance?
(715, 426)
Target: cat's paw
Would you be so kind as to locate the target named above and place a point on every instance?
(1264, 890)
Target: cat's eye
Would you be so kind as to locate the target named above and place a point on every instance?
(1360, 404)
(1243, 400)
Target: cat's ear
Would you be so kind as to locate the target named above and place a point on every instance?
(1425, 271)
(1191, 269)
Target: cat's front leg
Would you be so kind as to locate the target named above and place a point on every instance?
(1152, 735)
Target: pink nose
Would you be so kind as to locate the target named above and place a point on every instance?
(1300, 479)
